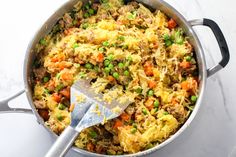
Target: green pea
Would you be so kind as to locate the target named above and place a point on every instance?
(122, 38)
(77, 65)
(165, 113)
(96, 68)
(126, 73)
(46, 91)
(107, 70)
(93, 134)
(59, 87)
(88, 66)
(121, 65)
(106, 62)
(150, 92)
(111, 66)
(61, 107)
(149, 146)
(110, 57)
(101, 49)
(144, 111)
(45, 79)
(87, 6)
(188, 58)
(179, 41)
(42, 41)
(193, 98)
(59, 117)
(168, 43)
(91, 11)
(135, 125)
(119, 152)
(86, 15)
(105, 43)
(125, 47)
(179, 37)
(75, 45)
(129, 58)
(156, 103)
(139, 90)
(133, 130)
(166, 37)
(74, 22)
(115, 75)
(82, 74)
(85, 25)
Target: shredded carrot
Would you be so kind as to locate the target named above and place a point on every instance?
(172, 24)
(72, 106)
(124, 116)
(100, 58)
(56, 97)
(66, 92)
(152, 84)
(185, 64)
(117, 124)
(90, 147)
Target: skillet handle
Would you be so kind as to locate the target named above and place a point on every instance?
(221, 42)
(4, 107)
(63, 143)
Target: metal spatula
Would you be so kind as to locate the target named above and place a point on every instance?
(89, 110)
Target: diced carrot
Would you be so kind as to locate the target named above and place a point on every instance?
(174, 101)
(185, 85)
(155, 45)
(100, 58)
(56, 97)
(110, 78)
(90, 147)
(148, 68)
(124, 116)
(68, 31)
(117, 124)
(150, 103)
(51, 85)
(67, 76)
(172, 24)
(65, 92)
(54, 59)
(58, 57)
(152, 84)
(72, 106)
(185, 64)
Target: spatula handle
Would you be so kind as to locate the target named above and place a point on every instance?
(63, 143)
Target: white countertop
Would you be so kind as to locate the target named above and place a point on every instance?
(212, 132)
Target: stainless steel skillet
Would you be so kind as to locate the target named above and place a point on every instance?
(204, 72)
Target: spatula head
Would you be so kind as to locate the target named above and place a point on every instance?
(90, 108)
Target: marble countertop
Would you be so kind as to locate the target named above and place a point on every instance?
(212, 132)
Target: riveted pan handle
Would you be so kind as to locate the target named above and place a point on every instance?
(221, 41)
(4, 107)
